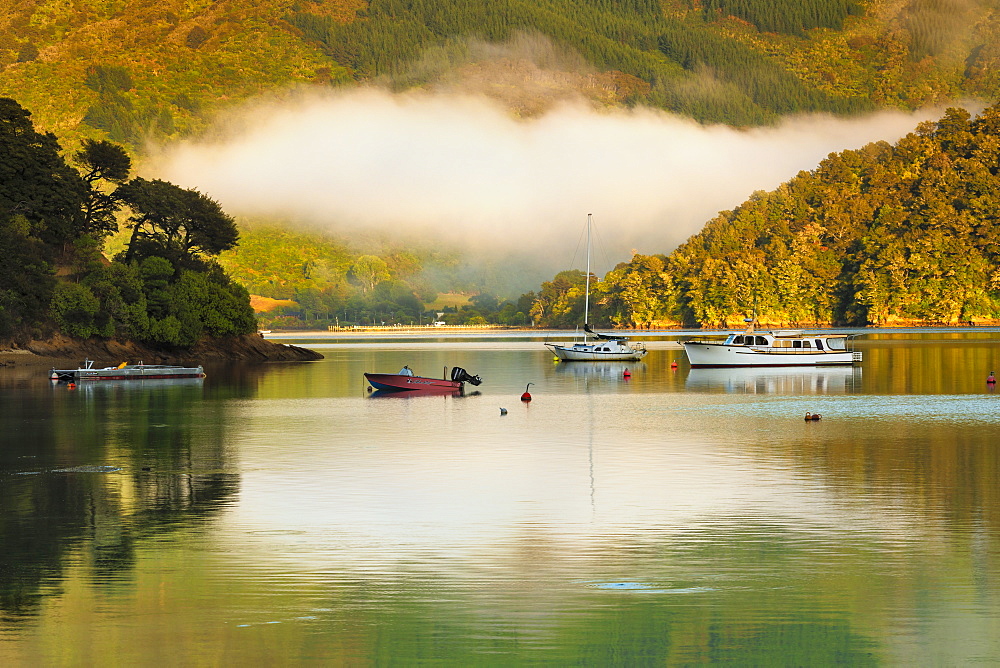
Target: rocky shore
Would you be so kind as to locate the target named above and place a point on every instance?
(69, 353)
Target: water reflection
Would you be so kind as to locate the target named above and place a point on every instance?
(602, 370)
(272, 514)
(92, 388)
(87, 472)
(820, 380)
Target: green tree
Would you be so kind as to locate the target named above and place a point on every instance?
(35, 182)
(174, 223)
(102, 161)
(26, 279)
(74, 307)
(369, 271)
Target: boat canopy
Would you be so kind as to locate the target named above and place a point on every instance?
(607, 337)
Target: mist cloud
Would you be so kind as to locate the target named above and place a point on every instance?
(460, 168)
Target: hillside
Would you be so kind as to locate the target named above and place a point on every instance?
(136, 70)
(902, 234)
(140, 73)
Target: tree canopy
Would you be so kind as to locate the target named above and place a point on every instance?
(174, 223)
(886, 234)
(167, 289)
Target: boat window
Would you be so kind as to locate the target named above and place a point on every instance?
(819, 344)
(761, 341)
(738, 340)
(806, 344)
(796, 344)
(729, 340)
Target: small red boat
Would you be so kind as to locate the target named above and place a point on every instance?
(400, 382)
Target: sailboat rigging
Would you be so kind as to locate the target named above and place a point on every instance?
(605, 346)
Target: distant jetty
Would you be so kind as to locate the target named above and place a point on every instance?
(414, 328)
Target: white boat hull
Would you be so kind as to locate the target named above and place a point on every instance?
(702, 354)
(605, 352)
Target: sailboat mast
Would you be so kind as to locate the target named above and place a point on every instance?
(586, 294)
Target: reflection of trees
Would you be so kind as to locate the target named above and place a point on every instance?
(54, 506)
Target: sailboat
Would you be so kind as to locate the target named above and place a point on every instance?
(603, 347)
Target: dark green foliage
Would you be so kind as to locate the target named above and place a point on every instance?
(764, 83)
(102, 161)
(27, 53)
(186, 102)
(117, 114)
(156, 274)
(124, 122)
(50, 214)
(792, 17)
(35, 181)
(105, 79)
(74, 307)
(625, 36)
(121, 292)
(175, 223)
(26, 277)
(934, 24)
(196, 37)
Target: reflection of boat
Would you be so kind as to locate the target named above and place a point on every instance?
(406, 382)
(605, 346)
(614, 370)
(390, 394)
(776, 380)
(126, 371)
(777, 348)
(161, 385)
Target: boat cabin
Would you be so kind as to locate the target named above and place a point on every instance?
(793, 340)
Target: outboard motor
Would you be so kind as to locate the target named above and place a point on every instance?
(460, 375)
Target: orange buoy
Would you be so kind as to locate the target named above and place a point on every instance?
(673, 365)
(71, 386)
(627, 374)
(991, 379)
(526, 396)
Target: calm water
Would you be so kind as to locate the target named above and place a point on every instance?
(279, 514)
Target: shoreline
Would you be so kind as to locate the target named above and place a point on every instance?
(64, 352)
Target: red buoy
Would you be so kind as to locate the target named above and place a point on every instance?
(991, 379)
(673, 365)
(627, 374)
(526, 396)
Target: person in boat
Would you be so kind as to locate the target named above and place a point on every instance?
(406, 371)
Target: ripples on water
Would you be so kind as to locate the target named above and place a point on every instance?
(280, 513)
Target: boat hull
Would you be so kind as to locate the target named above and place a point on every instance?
(130, 372)
(591, 353)
(393, 382)
(702, 354)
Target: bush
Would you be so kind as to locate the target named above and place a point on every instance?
(73, 308)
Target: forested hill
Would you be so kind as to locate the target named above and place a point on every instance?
(885, 235)
(130, 70)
